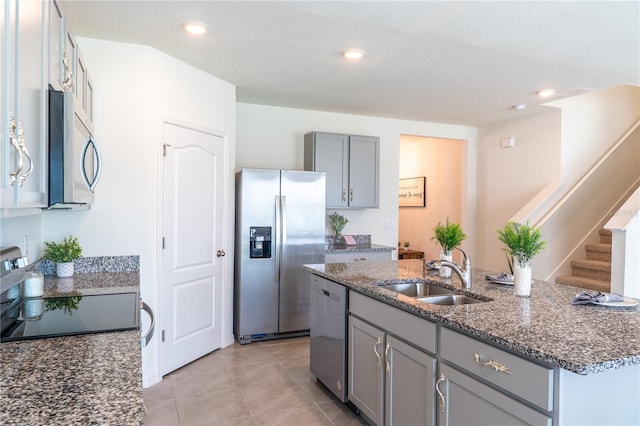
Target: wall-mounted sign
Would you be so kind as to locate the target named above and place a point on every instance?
(412, 192)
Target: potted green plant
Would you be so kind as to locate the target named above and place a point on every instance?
(449, 236)
(522, 242)
(406, 245)
(63, 254)
(338, 222)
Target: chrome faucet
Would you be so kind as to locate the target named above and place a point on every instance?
(464, 273)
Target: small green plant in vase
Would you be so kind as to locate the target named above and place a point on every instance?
(406, 245)
(522, 242)
(338, 222)
(449, 236)
(63, 254)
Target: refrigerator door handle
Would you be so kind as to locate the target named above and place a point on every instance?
(278, 245)
(283, 236)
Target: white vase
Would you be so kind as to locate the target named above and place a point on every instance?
(445, 271)
(521, 279)
(64, 270)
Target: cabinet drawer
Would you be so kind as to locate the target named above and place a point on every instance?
(409, 327)
(357, 256)
(526, 379)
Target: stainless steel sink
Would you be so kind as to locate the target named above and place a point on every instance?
(418, 289)
(449, 299)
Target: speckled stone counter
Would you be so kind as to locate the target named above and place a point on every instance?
(584, 339)
(92, 379)
(365, 247)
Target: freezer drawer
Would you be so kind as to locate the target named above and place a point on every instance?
(328, 353)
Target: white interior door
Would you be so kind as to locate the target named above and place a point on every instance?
(192, 258)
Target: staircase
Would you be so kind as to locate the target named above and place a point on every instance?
(594, 272)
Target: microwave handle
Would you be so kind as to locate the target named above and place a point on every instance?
(83, 171)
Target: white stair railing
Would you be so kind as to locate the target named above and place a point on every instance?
(625, 248)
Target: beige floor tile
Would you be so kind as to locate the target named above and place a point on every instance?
(159, 392)
(297, 368)
(289, 351)
(160, 412)
(262, 398)
(267, 372)
(284, 341)
(246, 355)
(340, 414)
(215, 408)
(315, 391)
(198, 382)
(298, 416)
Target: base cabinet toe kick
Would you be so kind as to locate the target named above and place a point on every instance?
(405, 370)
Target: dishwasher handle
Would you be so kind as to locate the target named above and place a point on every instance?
(144, 340)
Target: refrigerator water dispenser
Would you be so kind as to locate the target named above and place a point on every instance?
(259, 242)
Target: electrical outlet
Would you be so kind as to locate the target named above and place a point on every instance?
(388, 224)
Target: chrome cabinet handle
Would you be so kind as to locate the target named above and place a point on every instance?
(13, 175)
(492, 363)
(386, 359)
(69, 81)
(344, 194)
(351, 194)
(376, 351)
(441, 401)
(23, 150)
(220, 253)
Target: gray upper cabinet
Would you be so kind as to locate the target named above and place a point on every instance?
(351, 164)
(23, 121)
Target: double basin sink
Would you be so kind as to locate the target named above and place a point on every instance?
(431, 293)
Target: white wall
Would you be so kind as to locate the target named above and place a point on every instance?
(509, 177)
(135, 88)
(272, 137)
(442, 162)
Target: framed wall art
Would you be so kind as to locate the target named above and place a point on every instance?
(412, 192)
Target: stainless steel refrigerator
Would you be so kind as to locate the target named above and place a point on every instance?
(280, 226)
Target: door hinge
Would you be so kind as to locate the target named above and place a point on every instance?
(164, 150)
(162, 336)
(162, 243)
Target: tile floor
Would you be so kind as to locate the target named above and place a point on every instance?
(262, 383)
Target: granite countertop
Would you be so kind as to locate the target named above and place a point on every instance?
(584, 339)
(75, 380)
(365, 247)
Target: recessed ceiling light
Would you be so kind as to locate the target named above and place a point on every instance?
(353, 54)
(545, 93)
(194, 27)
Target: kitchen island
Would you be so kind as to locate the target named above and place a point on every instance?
(588, 350)
(75, 380)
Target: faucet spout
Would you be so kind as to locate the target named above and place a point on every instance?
(464, 272)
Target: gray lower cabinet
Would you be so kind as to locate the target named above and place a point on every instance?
(366, 375)
(409, 384)
(390, 381)
(464, 400)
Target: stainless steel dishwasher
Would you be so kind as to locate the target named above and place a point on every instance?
(328, 331)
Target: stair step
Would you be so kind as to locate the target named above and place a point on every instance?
(601, 252)
(593, 269)
(605, 236)
(587, 283)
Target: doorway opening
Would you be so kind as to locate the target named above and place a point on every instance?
(443, 163)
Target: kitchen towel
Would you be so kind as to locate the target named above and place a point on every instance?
(596, 296)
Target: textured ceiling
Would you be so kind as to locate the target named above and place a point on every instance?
(452, 62)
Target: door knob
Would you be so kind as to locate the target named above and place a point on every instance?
(220, 253)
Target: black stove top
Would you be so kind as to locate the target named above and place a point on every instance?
(37, 318)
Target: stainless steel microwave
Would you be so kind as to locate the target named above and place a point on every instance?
(74, 158)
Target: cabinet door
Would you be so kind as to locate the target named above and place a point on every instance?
(57, 36)
(24, 84)
(328, 152)
(466, 401)
(366, 372)
(410, 381)
(364, 152)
